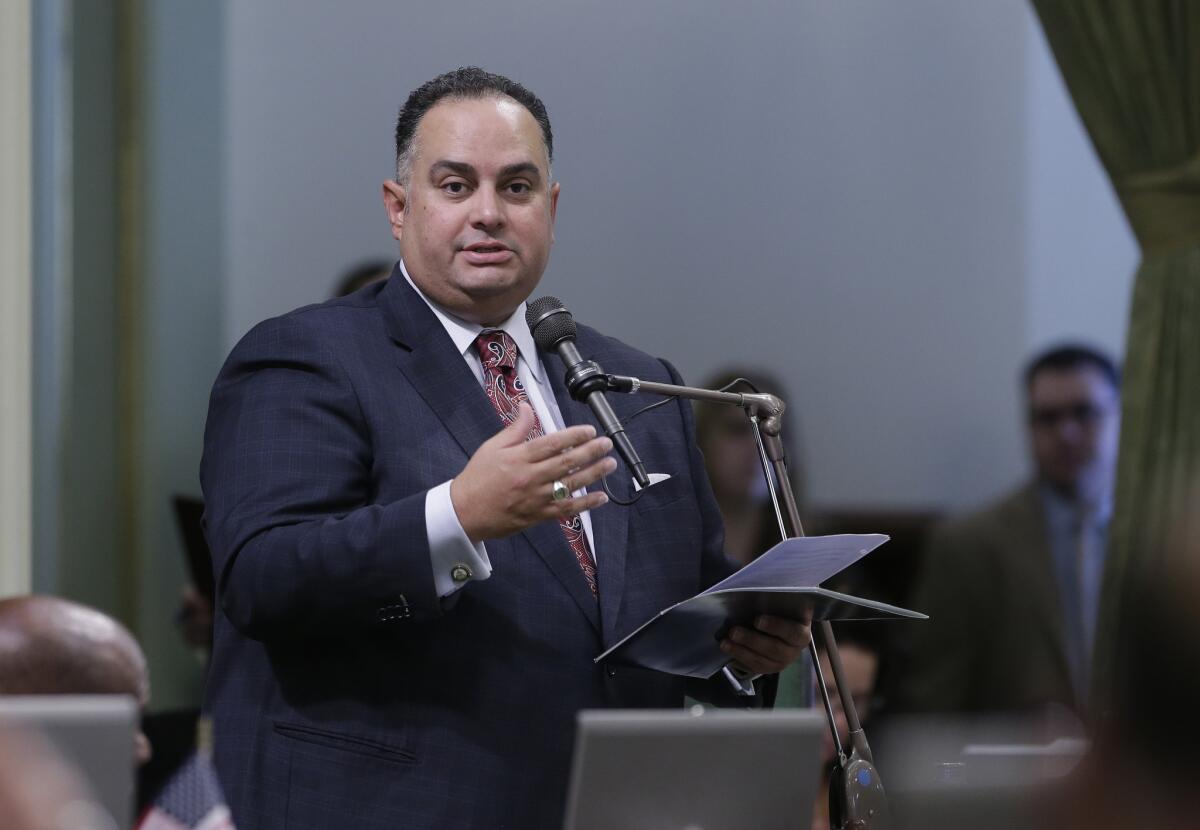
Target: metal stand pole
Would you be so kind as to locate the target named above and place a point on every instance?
(856, 797)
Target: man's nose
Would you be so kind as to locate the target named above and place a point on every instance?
(487, 209)
(1068, 430)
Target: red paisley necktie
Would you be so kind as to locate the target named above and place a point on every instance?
(504, 389)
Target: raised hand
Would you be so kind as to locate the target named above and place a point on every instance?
(508, 484)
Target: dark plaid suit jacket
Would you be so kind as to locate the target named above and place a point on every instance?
(344, 692)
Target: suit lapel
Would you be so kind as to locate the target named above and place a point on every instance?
(548, 541)
(432, 364)
(610, 523)
(1042, 582)
(436, 370)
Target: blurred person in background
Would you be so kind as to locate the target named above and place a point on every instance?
(1012, 591)
(726, 438)
(52, 646)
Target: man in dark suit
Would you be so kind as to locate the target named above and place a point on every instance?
(410, 596)
(1012, 590)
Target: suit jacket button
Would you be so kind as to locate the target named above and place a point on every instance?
(460, 573)
(612, 672)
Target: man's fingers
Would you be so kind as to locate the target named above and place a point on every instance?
(754, 661)
(792, 632)
(580, 479)
(573, 507)
(553, 445)
(770, 646)
(763, 645)
(749, 660)
(514, 433)
(569, 463)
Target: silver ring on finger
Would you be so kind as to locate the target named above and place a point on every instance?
(559, 490)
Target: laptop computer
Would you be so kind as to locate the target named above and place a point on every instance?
(694, 770)
(95, 733)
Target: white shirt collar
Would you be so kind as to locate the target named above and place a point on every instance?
(463, 333)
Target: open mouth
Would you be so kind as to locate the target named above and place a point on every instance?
(483, 254)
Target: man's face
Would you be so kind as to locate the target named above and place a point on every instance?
(731, 456)
(1073, 425)
(475, 219)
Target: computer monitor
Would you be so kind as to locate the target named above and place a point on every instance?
(694, 770)
(95, 733)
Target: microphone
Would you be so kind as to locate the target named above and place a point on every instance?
(553, 329)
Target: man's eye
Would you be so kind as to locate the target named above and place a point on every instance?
(519, 188)
(455, 188)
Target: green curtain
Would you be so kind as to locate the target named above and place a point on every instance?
(1133, 70)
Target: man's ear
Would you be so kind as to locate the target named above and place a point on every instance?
(553, 208)
(394, 200)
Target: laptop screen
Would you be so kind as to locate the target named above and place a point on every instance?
(95, 733)
(709, 770)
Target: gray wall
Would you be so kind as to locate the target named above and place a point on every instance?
(888, 205)
(79, 538)
(92, 439)
(1082, 255)
(182, 307)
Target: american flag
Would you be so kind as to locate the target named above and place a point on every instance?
(191, 800)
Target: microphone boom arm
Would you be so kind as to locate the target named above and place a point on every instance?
(857, 798)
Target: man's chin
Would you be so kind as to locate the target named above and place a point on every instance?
(492, 302)
(1079, 486)
(488, 279)
(486, 284)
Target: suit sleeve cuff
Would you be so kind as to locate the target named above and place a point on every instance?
(454, 559)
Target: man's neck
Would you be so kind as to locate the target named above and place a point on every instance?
(1095, 497)
(488, 321)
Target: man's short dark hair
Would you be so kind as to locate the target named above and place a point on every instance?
(1069, 356)
(466, 82)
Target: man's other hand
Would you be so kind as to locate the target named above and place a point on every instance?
(508, 484)
(773, 644)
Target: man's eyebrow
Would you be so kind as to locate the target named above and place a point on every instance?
(523, 168)
(459, 167)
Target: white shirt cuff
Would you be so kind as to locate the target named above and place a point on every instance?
(455, 560)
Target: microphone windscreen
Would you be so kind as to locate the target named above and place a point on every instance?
(549, 322)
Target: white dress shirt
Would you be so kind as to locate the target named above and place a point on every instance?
(450, 551)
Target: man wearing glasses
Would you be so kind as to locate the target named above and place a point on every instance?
(1013, 590)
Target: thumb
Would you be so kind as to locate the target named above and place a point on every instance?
(515, 433)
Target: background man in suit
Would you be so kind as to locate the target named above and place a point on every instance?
(407, 615)
(1012, 590)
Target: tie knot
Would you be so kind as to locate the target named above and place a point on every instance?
(497, 350)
